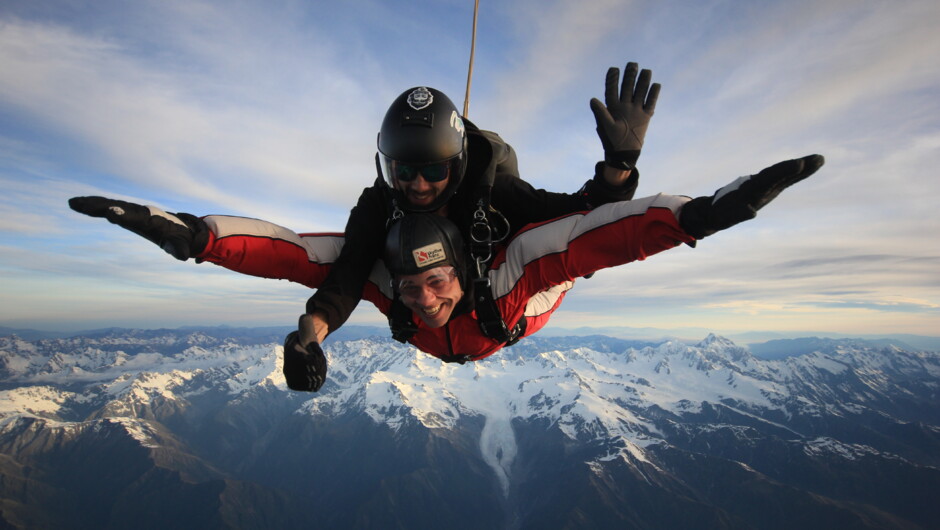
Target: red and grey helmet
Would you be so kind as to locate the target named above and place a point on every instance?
(423, 133)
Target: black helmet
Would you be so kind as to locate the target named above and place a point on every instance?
(422, 241)
(423, 132)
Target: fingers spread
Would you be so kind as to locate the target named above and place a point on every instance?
(642, 88)
(629, 79)
(651, 98)
(611, 95)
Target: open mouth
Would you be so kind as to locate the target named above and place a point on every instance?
(431, 311)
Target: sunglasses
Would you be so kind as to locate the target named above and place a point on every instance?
(437, 283)
(433, 172)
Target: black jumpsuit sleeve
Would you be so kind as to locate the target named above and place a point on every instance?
(528, 204)
(597, 191)
(521, 203)
(341, 291)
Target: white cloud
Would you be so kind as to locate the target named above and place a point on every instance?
(558, 38)
(183, 135)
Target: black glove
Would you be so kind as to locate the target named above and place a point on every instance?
(304, 367)
(181, 235)
(740, 200)
(622, 123)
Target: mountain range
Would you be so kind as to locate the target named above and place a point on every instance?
(192, 428)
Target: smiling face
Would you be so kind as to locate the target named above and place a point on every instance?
(422, 134)
(432, 294)
(421, 192)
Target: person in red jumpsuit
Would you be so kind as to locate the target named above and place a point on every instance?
(425, 260)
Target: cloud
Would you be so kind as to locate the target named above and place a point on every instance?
(781, 80)
(138, 285)
(183, 134)
(558, 37)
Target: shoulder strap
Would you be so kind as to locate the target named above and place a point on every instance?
(490, 319)
(488, 225)
(481, 243)
(400, 321)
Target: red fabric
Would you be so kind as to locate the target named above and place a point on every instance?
(264, 257)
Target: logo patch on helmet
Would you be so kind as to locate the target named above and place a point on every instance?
(429, 254)
(456, 122)
(420, 98)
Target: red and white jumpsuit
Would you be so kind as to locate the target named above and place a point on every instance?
(529, 276)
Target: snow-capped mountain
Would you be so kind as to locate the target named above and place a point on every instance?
(185, 429)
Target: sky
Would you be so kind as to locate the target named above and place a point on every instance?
(270, 110)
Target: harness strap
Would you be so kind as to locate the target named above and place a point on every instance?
(490, 319)
(400, 321)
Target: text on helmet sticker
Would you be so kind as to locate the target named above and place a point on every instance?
(420, 98)
(429, 254)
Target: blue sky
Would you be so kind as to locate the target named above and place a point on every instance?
(270, 110)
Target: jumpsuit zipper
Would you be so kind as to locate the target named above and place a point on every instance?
(453, 357)
(450, 345)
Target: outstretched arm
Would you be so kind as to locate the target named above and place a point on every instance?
(244, 245)
(618, 233)
(573, 246)
(181, 235)
(248, 246)
(740, 200)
